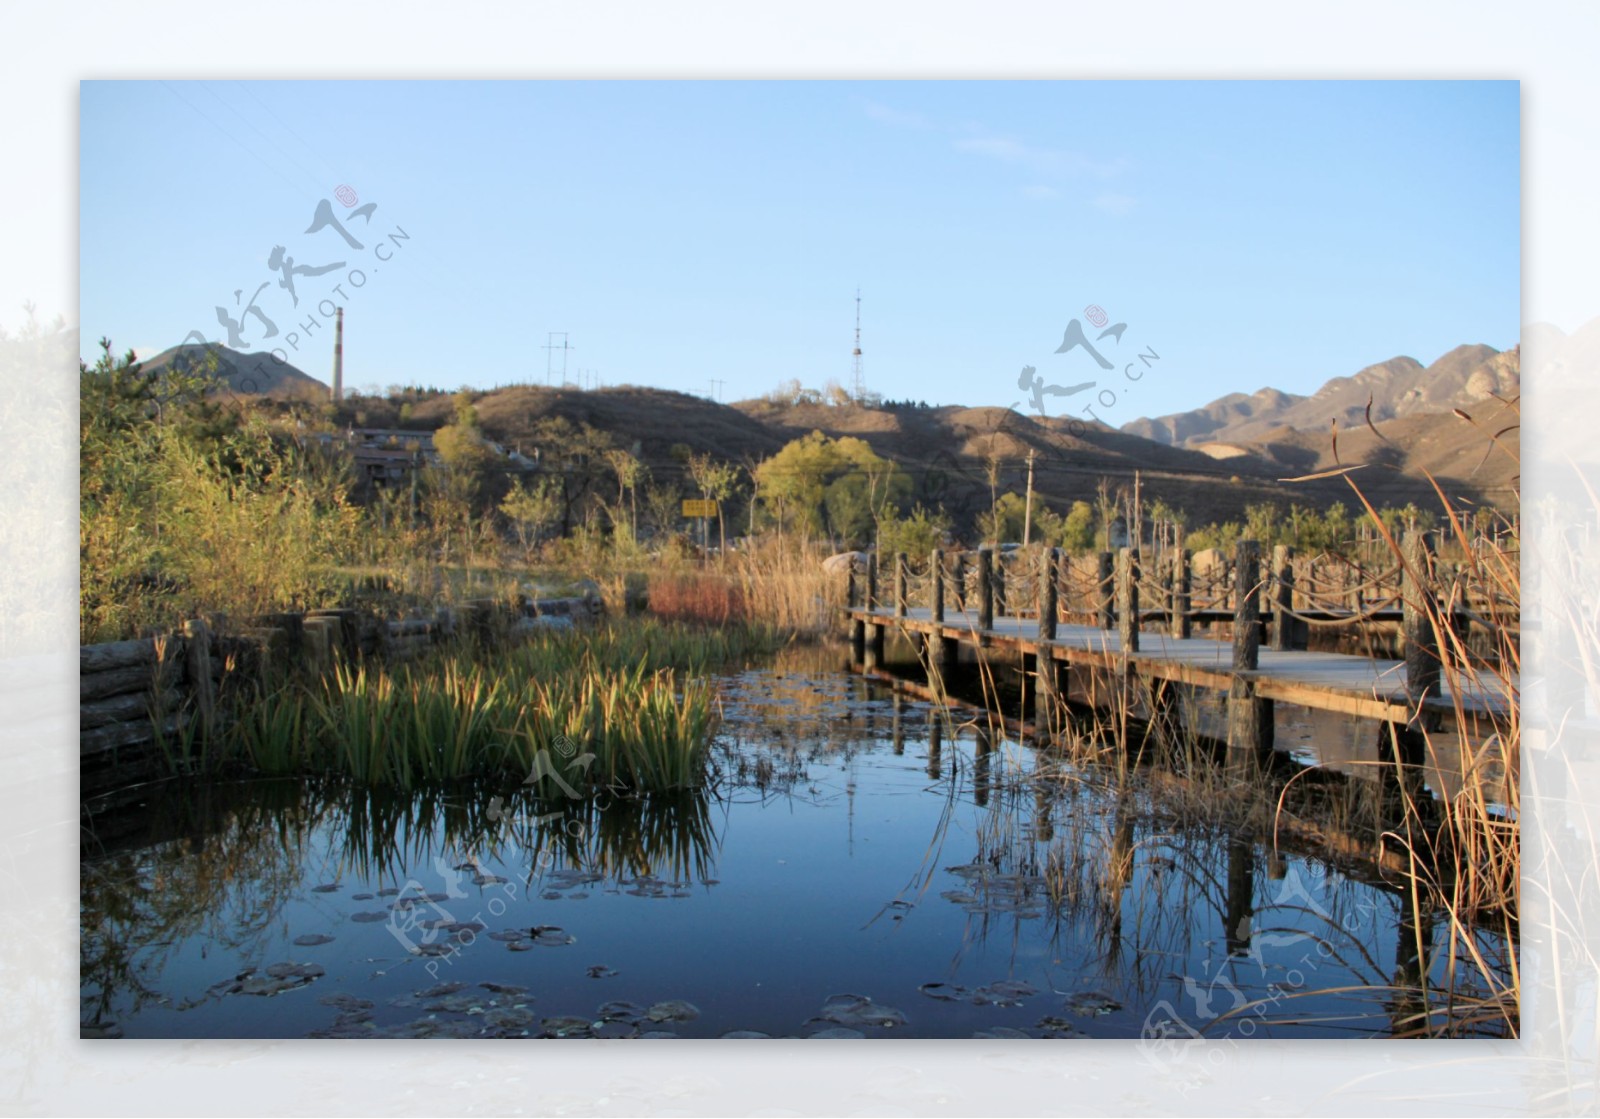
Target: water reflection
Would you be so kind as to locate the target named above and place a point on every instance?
(850, 840)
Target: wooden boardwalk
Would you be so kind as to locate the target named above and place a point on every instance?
(1352, 685)
(1257, 665)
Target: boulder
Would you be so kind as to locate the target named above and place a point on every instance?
(844, 561)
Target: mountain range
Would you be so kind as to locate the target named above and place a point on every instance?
(1464, 378)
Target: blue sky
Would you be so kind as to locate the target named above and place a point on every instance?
(1251, 233)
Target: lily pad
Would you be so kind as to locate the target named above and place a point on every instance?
(509, 1018)
(521, 945)
(347, 1002)
(615, 1029)
(369, 917)
(457, 1004)
(600, 971)
(622, 1010)
(311, 940)
(835, 1033)
(509, 935)
(361, 897)
(744, 1034)
(858, 1010)
(1091, 1003)
(503, 988)
(567, 1027)
(325, 888)
(673, 1010)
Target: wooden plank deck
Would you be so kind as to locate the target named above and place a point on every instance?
(1353, 685)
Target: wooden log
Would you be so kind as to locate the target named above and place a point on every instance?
(936, 587)
(123, 681)
(902, 576)
(293, 627)
(126, 708)
(1128, 599)
(1282, 597)
(874, 652)
(1105, 601)
(985, 593)
(320, 639)
(198, 637)
(858, 641)
(347, 637)
(122, 654)
(116, 736)
(1182, 623)
(1048, 560)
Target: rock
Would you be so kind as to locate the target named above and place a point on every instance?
(842, 562)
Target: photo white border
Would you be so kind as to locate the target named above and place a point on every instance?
(45, 1069)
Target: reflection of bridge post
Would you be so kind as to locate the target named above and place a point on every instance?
(935, 739)
(1043, 800)
(983, 748)
(1241, 878)
(1249, 718)
(1046, 694)
(1408, 1010)
(896, 735)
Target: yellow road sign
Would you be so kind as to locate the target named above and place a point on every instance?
(695, 507)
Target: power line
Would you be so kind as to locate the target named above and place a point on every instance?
(314, 153)
(207, 87)
(242, 145)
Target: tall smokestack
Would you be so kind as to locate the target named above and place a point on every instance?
(338, 354)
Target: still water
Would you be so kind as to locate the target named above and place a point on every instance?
(861, 864)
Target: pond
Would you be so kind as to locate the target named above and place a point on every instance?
(861, 864)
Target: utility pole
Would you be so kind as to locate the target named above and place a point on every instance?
(716, 389)
(1027, 509)
(550, 349)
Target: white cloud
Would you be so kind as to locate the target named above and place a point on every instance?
(1113, 203)
(886, 114)
(1050, 161)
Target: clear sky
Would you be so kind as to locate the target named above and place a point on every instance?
(1250, 233)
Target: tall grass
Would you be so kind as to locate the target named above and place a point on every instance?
(623, 707)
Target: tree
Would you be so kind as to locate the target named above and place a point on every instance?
(1076, 531)
(629, 472)
(822, 486)
(531, 511)
(718, 481)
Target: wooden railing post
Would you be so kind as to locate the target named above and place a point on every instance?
(1418, 606)
(198, 654)
(936, 587)
(872, 581)
(999, 584)
(1064, 577)
(958, 581)
(1128, 599)
(900, 577)
(1282, 597)
(1249, 718)
(1182, 623)
(1047, 594)
(1103, 593)
(985, 592)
